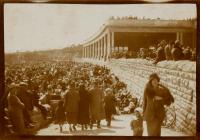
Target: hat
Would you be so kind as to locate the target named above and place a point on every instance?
(49, 87)
(154, 76)
(13, 85)
(23, 84)
(108, 90)
(138, 109)
(177, 42)
(8, 80)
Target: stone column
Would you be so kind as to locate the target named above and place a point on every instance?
(102, 44)
(91, 50)
(98, 46)
(109, 45)
(105, 47)
(179, 36)
(194, 39)
(88, 51)
(100, 49)
(112, 41)
(83, 52)
(96, 50)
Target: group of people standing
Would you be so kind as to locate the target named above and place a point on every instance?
(86, 92)
(85, 107)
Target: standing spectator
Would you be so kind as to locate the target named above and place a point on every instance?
(26, 99)
(96, 106)
(72, 99)
(60, 114)
(110, 104)
(83, 117)
(3, 104)
(15, 108)
(36, 103)
(154, 99)
(168, 49)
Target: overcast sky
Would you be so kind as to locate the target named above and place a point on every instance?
(48, 26)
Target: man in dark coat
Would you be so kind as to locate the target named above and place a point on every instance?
(71, 104)
(4, 104)
(154, 99)
(110, 103)
(96, 107)
(15, 108)
(26, 99)
(83, 116)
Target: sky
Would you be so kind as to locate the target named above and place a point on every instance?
(33, 27)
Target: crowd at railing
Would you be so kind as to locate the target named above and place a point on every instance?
(49, 86)
(163, 51)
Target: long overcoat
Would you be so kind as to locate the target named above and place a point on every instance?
(15, 108)
(97, 111)
(71, 104)
(154, 111)
(110, 104)
(83, 115)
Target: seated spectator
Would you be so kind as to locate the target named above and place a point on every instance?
(160, 55)
(130, 108)
(152, 52)
(177, 52)
(187, 53)
(143, 53)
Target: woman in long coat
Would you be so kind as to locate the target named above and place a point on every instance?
(83, 116)
(97, 111)
(15, 108)
(155, 97)
(72, 106)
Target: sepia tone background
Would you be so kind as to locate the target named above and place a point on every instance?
(2, 60)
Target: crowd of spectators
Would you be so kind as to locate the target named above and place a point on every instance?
(172, 50)
(168, 51)
(41, 84)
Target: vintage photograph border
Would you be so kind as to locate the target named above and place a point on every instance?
(2, 2)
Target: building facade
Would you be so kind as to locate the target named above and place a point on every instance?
(136, 33)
